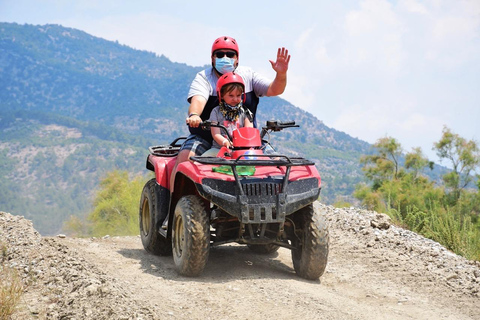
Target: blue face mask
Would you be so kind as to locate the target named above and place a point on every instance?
(224, 65)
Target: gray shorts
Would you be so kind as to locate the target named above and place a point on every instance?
(196, 144)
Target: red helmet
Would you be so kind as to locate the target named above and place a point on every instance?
(228, 78)
(225, 43)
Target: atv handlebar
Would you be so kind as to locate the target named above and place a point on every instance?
(207, 124)
(271, 125)
(275, 125)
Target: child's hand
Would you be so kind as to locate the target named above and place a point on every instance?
(227, 143)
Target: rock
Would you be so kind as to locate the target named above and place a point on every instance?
(452, 276)
(381, 221)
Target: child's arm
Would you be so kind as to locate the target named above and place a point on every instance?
(216, 133)
(247, 123)
(217, 136)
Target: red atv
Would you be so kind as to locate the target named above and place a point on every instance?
(243, 195)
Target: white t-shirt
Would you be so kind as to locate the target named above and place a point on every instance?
(205, 83)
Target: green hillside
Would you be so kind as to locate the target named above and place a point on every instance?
(73, 107)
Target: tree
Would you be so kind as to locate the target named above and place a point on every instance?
(115, 208)
(464, 156)
(384, 165)
(394, 187)
(416, 161)
(413, 201)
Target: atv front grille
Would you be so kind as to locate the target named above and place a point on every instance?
(262, 189)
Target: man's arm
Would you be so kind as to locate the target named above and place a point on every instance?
(281, 67)
(197, 103)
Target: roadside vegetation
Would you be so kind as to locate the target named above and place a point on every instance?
(445, 211)
(11, 287)
(115, 208)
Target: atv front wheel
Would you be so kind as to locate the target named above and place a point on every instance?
(311, 246)
(190, 236)
(150, 204)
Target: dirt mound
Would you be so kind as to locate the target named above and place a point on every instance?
(375, 271)
(60, 283)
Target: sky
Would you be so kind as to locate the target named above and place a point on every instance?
(370, 68)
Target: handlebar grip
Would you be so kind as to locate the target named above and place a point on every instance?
(287, 123)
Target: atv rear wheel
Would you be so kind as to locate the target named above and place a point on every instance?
(150, 204)
(311, 248)
(263, 248)
(190, 236)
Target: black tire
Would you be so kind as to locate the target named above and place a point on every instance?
(190, 236)
(150, 204)
(311, 253)
(263, 248)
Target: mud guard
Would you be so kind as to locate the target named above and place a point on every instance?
(160, 167)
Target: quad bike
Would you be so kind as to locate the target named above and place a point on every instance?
(243, 195)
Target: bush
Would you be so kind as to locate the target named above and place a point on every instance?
(455, 233)
(448, 214)
(115, 208)
(11, 288)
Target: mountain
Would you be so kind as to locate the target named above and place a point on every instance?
(74, 106)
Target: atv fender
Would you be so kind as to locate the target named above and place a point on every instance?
(160, 166)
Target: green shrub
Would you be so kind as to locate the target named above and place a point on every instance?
(11, 287)
(448, 214)
(455, 233)
(115, 209)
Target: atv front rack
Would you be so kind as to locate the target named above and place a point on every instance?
(274, 160)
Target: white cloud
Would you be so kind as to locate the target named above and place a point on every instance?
(413, 6)
(372, 16)
(299, 94)
(452, 34)
(364, 121)
(304, 40)
(411, 129)
(373, 38)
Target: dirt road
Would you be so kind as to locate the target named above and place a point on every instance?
(372, 273)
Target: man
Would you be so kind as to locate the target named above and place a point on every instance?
(202, 94)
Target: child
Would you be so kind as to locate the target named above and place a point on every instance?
(230, 112)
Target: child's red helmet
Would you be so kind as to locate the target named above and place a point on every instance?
(225, 43)
(228, 78)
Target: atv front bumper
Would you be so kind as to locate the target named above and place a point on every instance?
(261, 198)
(260, 201)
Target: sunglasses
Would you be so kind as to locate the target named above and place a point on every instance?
(221, 54)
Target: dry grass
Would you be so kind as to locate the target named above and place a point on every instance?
(11, 287)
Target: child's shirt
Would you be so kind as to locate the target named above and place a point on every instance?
(217, 116)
